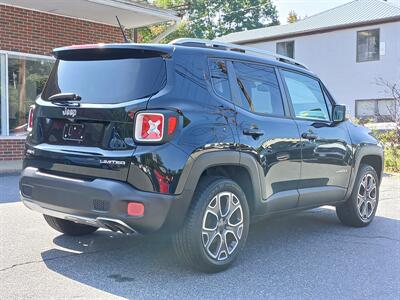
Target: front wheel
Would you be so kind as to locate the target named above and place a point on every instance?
(359, 210)
(216, 226)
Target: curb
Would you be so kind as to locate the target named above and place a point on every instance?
(9, 173)
(12, 167)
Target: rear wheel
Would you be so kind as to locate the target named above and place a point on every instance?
(69, 227)
(359, 210)
(216, 226)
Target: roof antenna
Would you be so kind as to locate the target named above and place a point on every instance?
(122, 30)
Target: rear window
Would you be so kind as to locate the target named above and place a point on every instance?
(107, 81)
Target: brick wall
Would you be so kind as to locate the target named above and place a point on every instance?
(29, 31)
(12, 149)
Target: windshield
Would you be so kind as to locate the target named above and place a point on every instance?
(107, 81)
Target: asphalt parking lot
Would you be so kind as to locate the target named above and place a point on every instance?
(300, 256)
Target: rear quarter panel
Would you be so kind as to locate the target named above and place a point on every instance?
(206, 122)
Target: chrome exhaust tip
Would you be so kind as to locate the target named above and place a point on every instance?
(106, 223)
(116, 226)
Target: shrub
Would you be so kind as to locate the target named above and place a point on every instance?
(391, 140)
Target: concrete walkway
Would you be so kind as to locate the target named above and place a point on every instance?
(10, 166)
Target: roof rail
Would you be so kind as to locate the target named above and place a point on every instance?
(233, 47)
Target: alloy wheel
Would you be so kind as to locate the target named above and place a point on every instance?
(222, 226)
(366, 197)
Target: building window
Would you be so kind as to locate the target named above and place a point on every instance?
(368, 45)
(376, 110)
(26, 78)
(285, 48)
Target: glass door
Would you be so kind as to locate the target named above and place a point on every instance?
(26, 78)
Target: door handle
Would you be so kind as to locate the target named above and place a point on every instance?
(309, 136)
(283, 156)
(254, 132)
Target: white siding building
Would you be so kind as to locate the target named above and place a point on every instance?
(349, 47)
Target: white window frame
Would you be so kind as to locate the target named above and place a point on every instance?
(379, 45)
(4, 55)
(376, 114)
(286, 41)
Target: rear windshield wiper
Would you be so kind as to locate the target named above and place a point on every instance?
(65, 97)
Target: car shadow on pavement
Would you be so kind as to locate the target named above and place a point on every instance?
(310, 252)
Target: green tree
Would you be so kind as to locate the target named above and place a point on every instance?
(211, 18)
(169, 3)
(148, 34)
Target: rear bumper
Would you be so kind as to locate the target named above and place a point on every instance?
(98, 202)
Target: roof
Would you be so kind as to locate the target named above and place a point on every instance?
(352, 14)
(131, 13)
(216, 45)
(173, 49)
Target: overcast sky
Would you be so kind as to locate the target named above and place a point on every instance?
(308, 7)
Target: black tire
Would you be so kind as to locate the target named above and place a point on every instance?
(349, 213)
(69, 227)
(190, 241)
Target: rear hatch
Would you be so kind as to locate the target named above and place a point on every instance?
(83, 120)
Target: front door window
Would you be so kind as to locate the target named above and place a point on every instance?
(306, 95)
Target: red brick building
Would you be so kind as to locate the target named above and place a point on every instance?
(29, 32)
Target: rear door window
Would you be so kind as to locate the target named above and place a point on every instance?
(259, 88)
(107, 81)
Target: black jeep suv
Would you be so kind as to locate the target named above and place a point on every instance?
(196, 137)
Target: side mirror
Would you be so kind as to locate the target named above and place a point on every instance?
(339, 113)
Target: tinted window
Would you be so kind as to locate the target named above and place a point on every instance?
(367, 45)
(107, 81)
(306, 96)
(219, 78)
(285, 48)
(259, 88)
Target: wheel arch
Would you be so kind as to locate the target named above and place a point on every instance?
(220, 163)
(238, 174)
(374, 161)
(367, 154)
